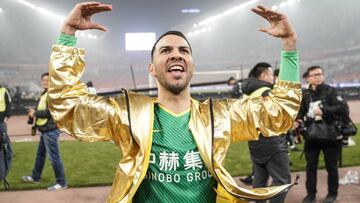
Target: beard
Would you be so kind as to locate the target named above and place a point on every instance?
(175, 89)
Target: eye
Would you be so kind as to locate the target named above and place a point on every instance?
(186, 51)
(164, 51)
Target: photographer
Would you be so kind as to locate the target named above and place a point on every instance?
(318, 115)
(49, 139)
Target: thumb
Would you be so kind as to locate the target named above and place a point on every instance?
(98, 27)
(262, 29)
(269, 31)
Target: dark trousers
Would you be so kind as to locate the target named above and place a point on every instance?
(5, 156)
(277, 167)
(49, 145)
(331, 151)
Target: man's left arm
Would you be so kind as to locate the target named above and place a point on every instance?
(281, 27)
(273, 114)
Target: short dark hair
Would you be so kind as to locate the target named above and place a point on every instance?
(231, 79)
(44, 74)
(311, 68)
(258, 69)
(89, 84)
(171, 32)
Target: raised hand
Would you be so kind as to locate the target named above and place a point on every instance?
(79, 17)
(280, 26)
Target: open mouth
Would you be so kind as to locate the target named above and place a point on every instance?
(176, 71)
(176, 68)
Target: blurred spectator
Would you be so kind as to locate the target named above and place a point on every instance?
(320, 104)
(48, 144)
(5, 102)
(235, 93)
(91, 88)
(6, 151)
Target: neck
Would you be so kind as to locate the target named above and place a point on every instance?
(313, 87)
(176, 103)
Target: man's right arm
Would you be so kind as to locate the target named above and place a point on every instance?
(86, 117)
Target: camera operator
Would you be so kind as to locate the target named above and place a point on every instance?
(320, 104)
(49, 141)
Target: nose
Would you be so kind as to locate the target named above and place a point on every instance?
(176, 55)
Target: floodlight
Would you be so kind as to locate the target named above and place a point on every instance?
(139, 41)
(283, 4)
(190, 10)
(274, 8)
(291, 2)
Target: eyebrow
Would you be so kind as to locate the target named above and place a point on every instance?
(316, 73)
(180, 47)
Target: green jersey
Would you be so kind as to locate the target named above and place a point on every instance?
(176, 171)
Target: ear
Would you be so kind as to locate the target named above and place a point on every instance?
(262, 76)
(152, 71)
(193, 69)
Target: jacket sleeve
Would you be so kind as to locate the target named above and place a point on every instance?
(270, 115)
(273, 114)
(43, 113)
(8, 104)
(76, 112)
(333, 105)
(303, 108)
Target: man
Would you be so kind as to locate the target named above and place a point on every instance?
(5, 102)
(5, 154)
(48, 142)
(268, 155)
(235, 92)
(173, 146)
(320, 102)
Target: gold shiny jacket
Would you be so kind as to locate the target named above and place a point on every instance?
(128, 121)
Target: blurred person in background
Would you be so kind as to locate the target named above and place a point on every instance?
(5, 108)
(268, 154)
(49, 140)
(91, 88)
(235, 92)
(320, 103)
(6, 151)
(173, 135)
